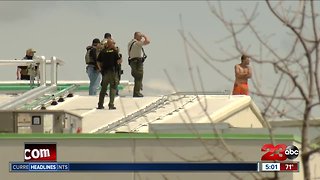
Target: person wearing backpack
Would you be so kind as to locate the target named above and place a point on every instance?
(92, 69)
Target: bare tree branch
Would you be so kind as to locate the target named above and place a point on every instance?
(203, 58)
(304, 46)
(272, 98)
(206, 52)
(314, 25)
(294, 80)
(316, 150)
(297, 90)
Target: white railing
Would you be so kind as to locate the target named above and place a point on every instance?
(42, 61)
(42, 89)
(27, 96)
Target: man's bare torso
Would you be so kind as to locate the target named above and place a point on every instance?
(242, 73)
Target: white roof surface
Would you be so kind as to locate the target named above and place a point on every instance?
(135, 114)
(175, 109)
(93, 119)
(6, 98)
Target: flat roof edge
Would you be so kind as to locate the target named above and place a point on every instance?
(150, 136)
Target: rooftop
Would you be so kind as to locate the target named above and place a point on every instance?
(135, 114)
(181, 112)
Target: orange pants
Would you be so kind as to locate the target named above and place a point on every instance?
(240, 89)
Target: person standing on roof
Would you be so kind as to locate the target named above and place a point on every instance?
(119, 70)
(22, 71)
(107, 62)
(136, 59)
(92, 68)
(242, 74)
(29, 72)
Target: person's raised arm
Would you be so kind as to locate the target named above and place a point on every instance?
(146, 39)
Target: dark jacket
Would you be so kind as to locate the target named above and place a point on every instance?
(108, 58)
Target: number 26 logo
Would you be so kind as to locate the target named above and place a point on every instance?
(274, 153)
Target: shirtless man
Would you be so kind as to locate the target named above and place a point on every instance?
(242, 73)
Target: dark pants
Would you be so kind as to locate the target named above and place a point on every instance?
(109, 77)
(137, 73)
(118, 74)
(25, 77)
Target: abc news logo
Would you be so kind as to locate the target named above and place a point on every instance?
(40, 152)
(280, 152)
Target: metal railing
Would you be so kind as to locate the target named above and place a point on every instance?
(42, 89)
(26, 97)
(42, 61)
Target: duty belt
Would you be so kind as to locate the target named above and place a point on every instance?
(135, 59)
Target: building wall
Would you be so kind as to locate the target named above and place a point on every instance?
(244, 118)
(315, 166)
(140, 150)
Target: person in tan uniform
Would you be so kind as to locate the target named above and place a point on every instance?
(136, 59)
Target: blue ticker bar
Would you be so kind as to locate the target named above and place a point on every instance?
(64, 167)
(163, 167)
(38, 167)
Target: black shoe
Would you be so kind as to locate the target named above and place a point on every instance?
(138, 95)
(100, 107)
(112, 108)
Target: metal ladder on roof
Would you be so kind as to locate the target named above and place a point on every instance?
(171, 112)
(134, 115)
(142, 112)
(50, 98)
(152, 107)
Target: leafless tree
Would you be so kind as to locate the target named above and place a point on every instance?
(296, 67)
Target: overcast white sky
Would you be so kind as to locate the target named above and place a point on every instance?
(65, 28)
